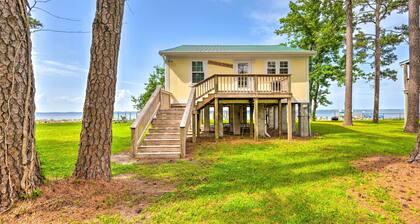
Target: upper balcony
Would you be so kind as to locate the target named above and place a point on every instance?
(245, 86)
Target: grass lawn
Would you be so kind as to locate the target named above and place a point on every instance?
(57, 145)
(241, 181)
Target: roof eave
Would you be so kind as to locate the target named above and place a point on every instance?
(305, 53)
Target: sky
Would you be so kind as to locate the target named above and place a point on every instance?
(61, 60)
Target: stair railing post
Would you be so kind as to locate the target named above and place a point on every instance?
(183, 141)
(216, 83)
(194, 127)
(134, 139)
(255, 83)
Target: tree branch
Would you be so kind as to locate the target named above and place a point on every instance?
(58, 31)
(55, 16)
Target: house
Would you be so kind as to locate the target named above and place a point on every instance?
(406, 67)
(263, 88)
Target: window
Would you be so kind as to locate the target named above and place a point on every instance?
(284, 67)
(197, 71)
(271, 67)
(243, 68)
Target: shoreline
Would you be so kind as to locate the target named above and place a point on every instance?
(53, 121)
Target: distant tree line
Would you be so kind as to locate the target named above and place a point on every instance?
(324, 26)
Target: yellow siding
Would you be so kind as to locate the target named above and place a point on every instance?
(181, 79)
(214, 69)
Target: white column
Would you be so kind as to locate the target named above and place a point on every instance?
(220, 120)
(206, 119)
(304, 120)
(236, 115)
(261, 120)
(284, 118)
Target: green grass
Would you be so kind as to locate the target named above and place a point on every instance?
(275, 181)
(57, 145)
(271, 181)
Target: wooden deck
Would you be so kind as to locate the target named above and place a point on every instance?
(215, 90)
(245, 86)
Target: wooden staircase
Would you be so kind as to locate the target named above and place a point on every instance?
(203, 101)
(163, 138)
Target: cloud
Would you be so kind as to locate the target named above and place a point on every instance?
(38, 98)
(55, 68)
(265, 21)
(130, 83)
(67, 99)
(123, 100)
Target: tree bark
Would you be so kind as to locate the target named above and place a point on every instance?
(96, 137)
(377, 60)
(414, 35)
(348, 114)
(415, 154)
(412, 120)
(19, 164)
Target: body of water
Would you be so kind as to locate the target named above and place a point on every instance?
(361, 114)
(55, 116)
(132, 115)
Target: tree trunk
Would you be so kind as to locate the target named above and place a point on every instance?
(414, 59)
(377, 60)
(315, 102)
(96, 137)
(348, 116)
(19, 164)
(412, 120)
(415, 155)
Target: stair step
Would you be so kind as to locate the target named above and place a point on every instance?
(166, 125)
(179, 116)
(174, 141)
(171, 114)
(172, 111)
(163, 135)
(160, 148)
(159, 155)
(176, 105)
(159, 121)
(164, 130)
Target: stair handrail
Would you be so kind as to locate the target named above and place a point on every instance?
(186, 121)
(204, 87)
(159, 99)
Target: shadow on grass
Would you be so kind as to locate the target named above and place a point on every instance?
(303, 181)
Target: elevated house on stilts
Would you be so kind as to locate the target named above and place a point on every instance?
(219, 90)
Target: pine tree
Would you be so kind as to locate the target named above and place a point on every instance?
(414, 35)
(96, 137)
(348, 107)
(382, 43)
(19, 164)
(412, 120)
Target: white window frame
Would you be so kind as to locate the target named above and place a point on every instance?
(239, 62)
(249, 72)
(266, 65)
(288, 67)
(277, 61)
(205, 62)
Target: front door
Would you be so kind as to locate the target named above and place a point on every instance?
(243, 69)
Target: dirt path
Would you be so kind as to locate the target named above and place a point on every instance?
(398, 179)
(67, 201)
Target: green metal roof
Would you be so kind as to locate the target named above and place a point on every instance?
(234, 49)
